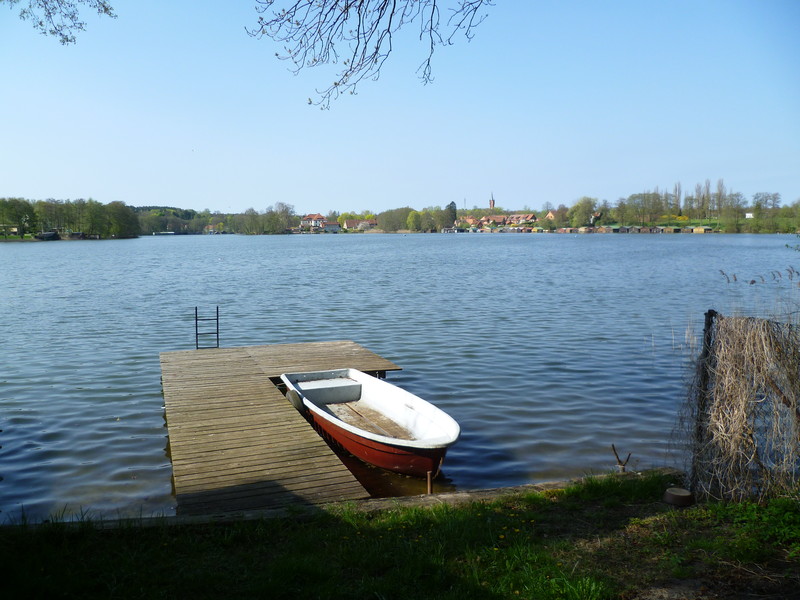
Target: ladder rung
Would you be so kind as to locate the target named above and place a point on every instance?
(198, 333)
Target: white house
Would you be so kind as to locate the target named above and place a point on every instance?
(311, 221)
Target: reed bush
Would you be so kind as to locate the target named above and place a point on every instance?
(742, 414)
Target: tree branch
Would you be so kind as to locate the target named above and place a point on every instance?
(311, 32)
(620, 464)
(60, 18)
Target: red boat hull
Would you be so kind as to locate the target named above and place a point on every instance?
(417, 462)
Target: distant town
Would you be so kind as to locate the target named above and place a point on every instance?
(708, 209)
(514, 223)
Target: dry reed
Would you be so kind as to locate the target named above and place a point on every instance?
(742, 415)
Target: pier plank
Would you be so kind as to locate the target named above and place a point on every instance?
(236, 443)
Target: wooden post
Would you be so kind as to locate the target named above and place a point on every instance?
(430, 482)
(704, 377)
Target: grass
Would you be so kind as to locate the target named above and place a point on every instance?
(608, 537)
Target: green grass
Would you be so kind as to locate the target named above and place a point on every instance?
(606, 538)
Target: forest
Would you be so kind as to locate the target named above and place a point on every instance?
(20, 218)
(714, 206)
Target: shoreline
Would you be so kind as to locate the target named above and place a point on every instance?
(368, 505)
(567, 231)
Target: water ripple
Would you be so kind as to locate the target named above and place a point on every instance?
(546, 349)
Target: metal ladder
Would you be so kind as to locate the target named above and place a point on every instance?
(198, 333)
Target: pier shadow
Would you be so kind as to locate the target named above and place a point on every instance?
(262, 496)
(366, 550)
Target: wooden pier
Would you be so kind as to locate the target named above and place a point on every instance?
(237, 444)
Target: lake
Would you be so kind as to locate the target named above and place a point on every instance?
(546, 348)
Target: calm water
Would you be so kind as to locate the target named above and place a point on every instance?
(546, 348)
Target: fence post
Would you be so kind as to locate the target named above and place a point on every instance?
(701, 421)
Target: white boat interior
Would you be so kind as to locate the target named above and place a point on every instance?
(372, 407)
(341, 397)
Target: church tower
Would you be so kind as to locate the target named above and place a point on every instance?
(491, 202)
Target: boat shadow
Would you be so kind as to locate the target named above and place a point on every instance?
(381, 483)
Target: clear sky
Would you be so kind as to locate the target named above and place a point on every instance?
(174, 104)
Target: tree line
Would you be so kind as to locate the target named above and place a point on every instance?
(427, 219)
(723, 209)
(20, 217)
(716, 206)
(278, 218)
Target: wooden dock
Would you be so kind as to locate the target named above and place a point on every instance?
(237, 444)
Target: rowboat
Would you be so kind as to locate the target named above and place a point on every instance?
(373, 420)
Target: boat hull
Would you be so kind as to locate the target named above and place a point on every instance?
(416, 462)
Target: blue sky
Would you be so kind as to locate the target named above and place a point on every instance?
(174, 104)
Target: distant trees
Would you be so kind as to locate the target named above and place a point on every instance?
(581, 212)
(250, 222)
(17, 214)
(352, 216)
(732, 212)
(766, 210)
(675, 206)
(414, 221)
(717, 206)
(395, 219)
(428, 220)
(278, 218)
(121, 221)
(87, 216)
(154, 219)
(449, 215)
(714, 205)
(645, 207)
(561, 217)
(432, 218)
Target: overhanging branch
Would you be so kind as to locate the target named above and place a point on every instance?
(60, 18)
(316, 32)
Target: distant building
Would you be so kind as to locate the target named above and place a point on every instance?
(312, 221)
(360, 224)
(520, 219)
(493, 221)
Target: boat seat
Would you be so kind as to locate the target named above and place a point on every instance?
(331, 391)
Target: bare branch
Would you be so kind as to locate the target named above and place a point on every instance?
(620, 464)
(359, 33)
(60, 18)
